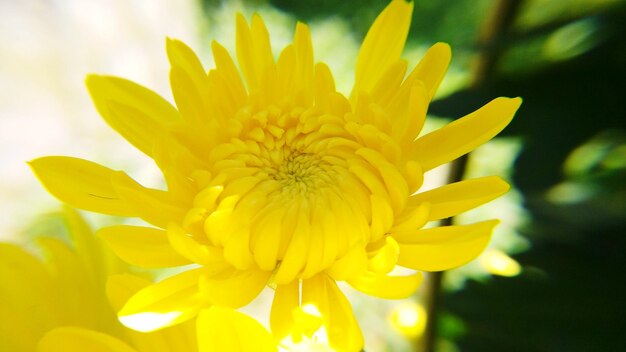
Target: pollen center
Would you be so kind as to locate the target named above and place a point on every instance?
(300, 173)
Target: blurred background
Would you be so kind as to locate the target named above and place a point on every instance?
(551, 279)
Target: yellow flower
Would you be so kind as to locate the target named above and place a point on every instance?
(278, 179)
(60, 304)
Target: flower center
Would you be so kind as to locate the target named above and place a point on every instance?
(301, 173)
(294, 192)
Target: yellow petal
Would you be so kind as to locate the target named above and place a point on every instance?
(445, 247)
(387, 287)
(351, 264)
(227, 69)
(174, 338)
(297, 251)
(75, 339)
(142, 246)
(304, 58)
(189, 98)
(177, 163)
(190, 84)
(156, 207)
(169, 302)
(81, 301)
(121, 287)
(465, 134)
(385, 257)
(135, 112)
(389, 83)
(234, 288)
(455, 198)
(87, 246)
(432, 68)
(223, 329)
(27, 297)
(253, 50)
(211, 257)
(286, 300)
(383, 45)
(81, 184)
(412, 219)
(342, 328)
(324, 86)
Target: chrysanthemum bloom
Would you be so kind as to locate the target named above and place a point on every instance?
(278, 179)
(60, 304)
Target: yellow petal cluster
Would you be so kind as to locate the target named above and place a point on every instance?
(67, 303)
(276, 179)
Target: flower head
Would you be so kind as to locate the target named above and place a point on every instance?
(275, 178)
(63, 304)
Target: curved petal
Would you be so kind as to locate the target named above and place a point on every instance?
(445, 247)
(286, 301)
(182, 56)
(304, 75)
(388, 287)
(154, 206)
(224, 329)
(75, 339)
(165, 303)
(96, 260)
(253, 50)
(432, 68)
(26, 296)
(142, 246)
(80, 300)
(121, 287)
(135, 112)
(342, 328)
(382, 45)
(455, 198)
(465, 134)
(212, 258)
(190, 84)
(234, 288)
(81, 184)
(227, 69)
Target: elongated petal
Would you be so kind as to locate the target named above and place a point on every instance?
(163, 304)
(156, 207)
(224, 329)
(455, 198)
(234, 288)
(25, 296)
(446, 247)
(81, 303)
(142, 246)
(342, 328)
(304, 58)
(190, 84)
(432, 68)
(253, 50)
(211, 257)
(121, 287)
(383, 45)
(181, 56)
(286, 300)
(87, 246)
(465, 134)
(81, 184)
(135, 112)
(388, 287)
(76, 339)
(226, 68)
